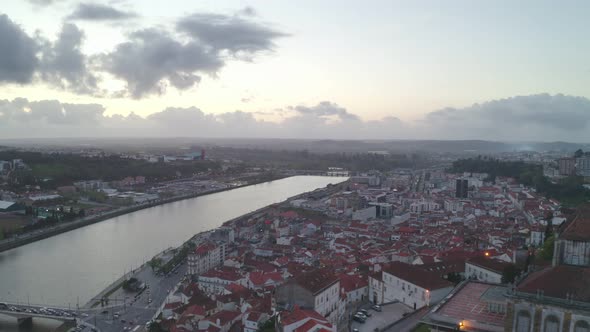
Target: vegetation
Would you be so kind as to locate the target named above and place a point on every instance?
(53, 170)
(510, 273)
(569, 191)
(305, 160)
(268, 326)
(155, 263)
(421, 328)
(547, 250)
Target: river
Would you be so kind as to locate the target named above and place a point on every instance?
(70, 268)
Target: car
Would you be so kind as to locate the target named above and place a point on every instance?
(359, 318)
(376, 307)
(105, 312)
(361, 314)
(123, 321)
(366, 312)
(355, 330)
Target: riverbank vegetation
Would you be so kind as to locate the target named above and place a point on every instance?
(569, 190)
(50, 170)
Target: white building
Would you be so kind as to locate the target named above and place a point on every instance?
(318, 290)
(485, 269)
(408, 284)
(205, 257)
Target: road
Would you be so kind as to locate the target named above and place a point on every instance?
(135, 311)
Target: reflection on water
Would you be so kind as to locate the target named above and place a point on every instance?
(70, 268)
(9, 324)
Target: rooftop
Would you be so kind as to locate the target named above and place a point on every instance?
(559, 282)
(579, 228)
(316, 281)
(471, 303)
(417, 276)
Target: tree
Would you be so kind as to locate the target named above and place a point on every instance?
(547, 250)
(510, 273)
(579, 153)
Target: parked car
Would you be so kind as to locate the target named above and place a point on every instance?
(359, 318)
(361, 314)
(366, 312)
(376, 307)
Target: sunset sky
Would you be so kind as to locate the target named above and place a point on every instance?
(333, 69)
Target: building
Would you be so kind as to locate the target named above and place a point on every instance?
(90, 185)
(557, 298)
(567, 166)
(473, 306)
(383, 210)
(303, 320)
(205, 257)
(583, 166)
(485, 269)
(318, 290)
(408, 284)
(461, 188)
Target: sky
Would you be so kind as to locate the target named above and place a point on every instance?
(496, 70)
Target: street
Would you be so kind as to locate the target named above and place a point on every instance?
(128, 312)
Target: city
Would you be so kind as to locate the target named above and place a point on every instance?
(294, 166)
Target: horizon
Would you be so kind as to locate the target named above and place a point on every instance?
(271, 70)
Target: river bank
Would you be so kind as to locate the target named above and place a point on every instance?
(22, 240)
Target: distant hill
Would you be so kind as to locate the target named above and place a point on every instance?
(315, 145)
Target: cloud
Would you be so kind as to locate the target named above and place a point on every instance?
(43, 3)
(18, 60)
(233, 34)
(99, 12)
(65, 66)
(534, 117)
(149, 62)
(152, 59)
(526, 118)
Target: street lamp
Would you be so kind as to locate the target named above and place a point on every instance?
(460, 325)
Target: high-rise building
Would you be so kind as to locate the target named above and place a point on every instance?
(583, 166)
(461, 188)
(567, 166)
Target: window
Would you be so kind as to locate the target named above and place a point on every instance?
(551, 324)
(523, 321)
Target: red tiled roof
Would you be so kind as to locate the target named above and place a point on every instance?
(489, 264)
(290, 317)
(559, 281)
(316, 281)
(579, 228)
(417, 276)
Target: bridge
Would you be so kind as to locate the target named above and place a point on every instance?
(24, 314)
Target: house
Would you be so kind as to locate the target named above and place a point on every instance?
(222, 320)
(408, 284)
(215, 281)
(318, 290)
(485, 269)
(205, 257)
(303, 320)
(253, 320)
(354, 287)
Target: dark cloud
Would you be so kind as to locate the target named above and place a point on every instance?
(152, 59)
(534, 117)
(234, 34)
(64, 65)
(99, 12)
(148, 62)
(530, 118)
(18, 60)
(326, 109)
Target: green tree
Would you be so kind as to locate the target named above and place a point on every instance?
(547, 250)
(510, 273)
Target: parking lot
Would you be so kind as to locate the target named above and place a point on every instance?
(389, 314)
